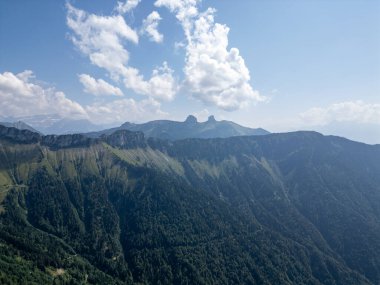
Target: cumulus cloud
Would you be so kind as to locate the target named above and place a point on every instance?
(127, 6)
(150, 27)
(125, 110)
(350, 111)
(214, 74)
(186, 11)
(21, 96)
(161, 85)
(98, 87)
(102, 38)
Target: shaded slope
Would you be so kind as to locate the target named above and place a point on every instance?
(244, 210)
(318, 190)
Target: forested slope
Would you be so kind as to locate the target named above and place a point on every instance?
(296, 208)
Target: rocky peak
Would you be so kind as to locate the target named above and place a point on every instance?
(211, 119)
(191, 119)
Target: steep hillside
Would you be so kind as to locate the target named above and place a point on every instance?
(296, 208)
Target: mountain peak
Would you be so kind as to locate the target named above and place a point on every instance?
(19, 125)
(191, 119)
(211, 119)
(190, 128)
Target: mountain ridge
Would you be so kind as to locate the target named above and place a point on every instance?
(55, 124)
(19, 125)
(190, 128)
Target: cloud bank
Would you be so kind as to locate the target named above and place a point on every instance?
(125, 110)
(349, 111)
(21, 96)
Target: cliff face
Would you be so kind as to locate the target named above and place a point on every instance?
(28, 137)
(297, 208)
(67, 141)
(125, 139)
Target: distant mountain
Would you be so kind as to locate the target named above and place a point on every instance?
(54, 124)
(190, 128)
(364, 132)
(19, 125)
(68, 126)
(292, 208)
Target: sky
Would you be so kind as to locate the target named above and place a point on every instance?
(281, 65)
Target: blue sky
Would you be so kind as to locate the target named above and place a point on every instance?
(283, 65)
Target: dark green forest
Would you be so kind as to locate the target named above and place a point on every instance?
(295, 208)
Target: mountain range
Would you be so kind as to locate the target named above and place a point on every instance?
(124, 208)
(163, 129)
(190, 128)
(53, 124)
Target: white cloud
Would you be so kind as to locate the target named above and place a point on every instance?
(128, 5)
(350, 111)
(178, 46)
(98, 87)
(21, 96)
(101, 38)
(150, 27)
(185, 10)
(214, 74)
(202, 115)
(125, 110)
(162, 84)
